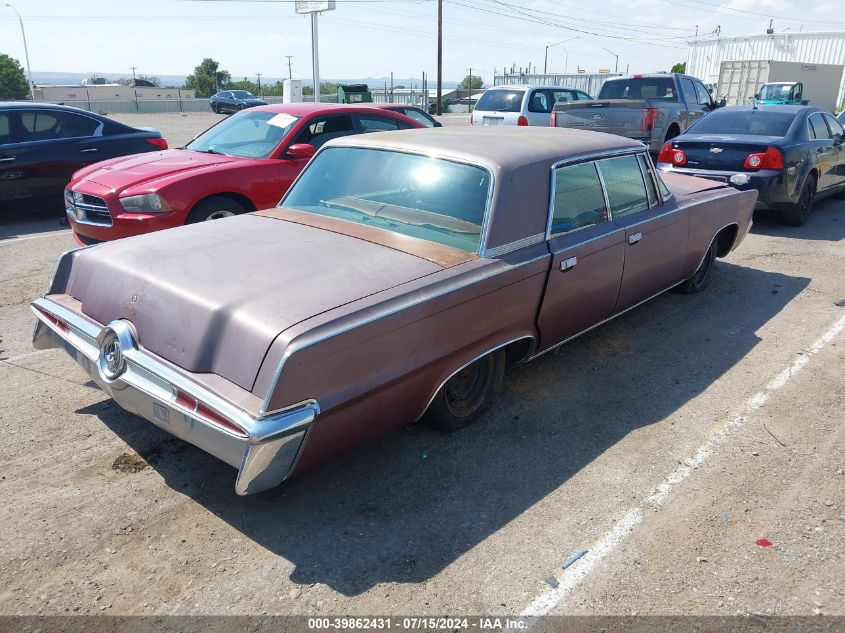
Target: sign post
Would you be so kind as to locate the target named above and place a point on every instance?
(315, 7)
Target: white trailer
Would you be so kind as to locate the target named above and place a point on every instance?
(740, 80)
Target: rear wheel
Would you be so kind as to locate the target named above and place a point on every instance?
(701, 276)
(468, 394)
(214, 208)
(241, 106)
(214, 108)
(797, 215)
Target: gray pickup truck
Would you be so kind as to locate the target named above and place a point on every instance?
(648, 108)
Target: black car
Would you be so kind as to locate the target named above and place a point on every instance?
(792, 155)
(234, 100)
(418, 114)
(42, 145)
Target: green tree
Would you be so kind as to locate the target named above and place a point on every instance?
(13, 84)
(680, 67)
(473, 82)
(208, 78)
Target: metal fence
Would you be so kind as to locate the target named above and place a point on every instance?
(157, 106)
(591, 84)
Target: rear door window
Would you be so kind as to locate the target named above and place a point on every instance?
(703, 96)
(370, 123)
(834, 125)
(40, 125)
(689, 92)
(579, 201)
(416, 115)
(818, 127)
(624, 184)
(323, 129)
(541, 101)
(5, 129)
(501, 101)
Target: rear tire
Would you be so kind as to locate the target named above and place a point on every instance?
(468, 394)
(214, 108)
(701, 276)
(241, 106)
(797, 215)
(214, 208)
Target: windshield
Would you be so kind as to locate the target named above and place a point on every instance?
(762, 122)
(640, 88)
(428, 198)
(501, 101)
(249, 134)
(775, 92)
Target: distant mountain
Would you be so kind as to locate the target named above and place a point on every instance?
(60, 78)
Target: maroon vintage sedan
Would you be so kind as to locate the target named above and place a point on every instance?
(399, 276)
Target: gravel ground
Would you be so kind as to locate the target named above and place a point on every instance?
(721, 402)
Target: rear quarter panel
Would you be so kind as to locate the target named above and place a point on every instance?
(376, 365)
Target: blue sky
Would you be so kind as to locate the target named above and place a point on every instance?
(374, 37)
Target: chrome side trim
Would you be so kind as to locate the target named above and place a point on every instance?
(513, 246)
(263, 448)
(470, 362)
(294, 348)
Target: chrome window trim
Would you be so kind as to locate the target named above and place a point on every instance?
(646, 178)
(293, 348)
(553, 191)
(514, 246)
(470, 362)
(482, 235)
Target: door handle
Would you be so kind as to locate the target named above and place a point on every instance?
(88, 150)
(633, 238)
(6, 159)
(568, 263)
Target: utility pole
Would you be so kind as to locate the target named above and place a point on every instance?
(133, 73)
(439, 57)
(469, 96)
(25, 51)
(391, 86)
(616, 70)
(259, 84)
(290, 68)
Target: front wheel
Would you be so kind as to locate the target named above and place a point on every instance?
(214, 108)
(701, 276)
(797, 215)
(468, 394)
(214, 208)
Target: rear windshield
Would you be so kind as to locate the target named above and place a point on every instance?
(501, 101)
(762, 122)
(640, 88)
(429, 198)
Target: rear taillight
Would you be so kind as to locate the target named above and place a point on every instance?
(158, 142)
(669, 154)
(187, 401)
(649, 117)
(553, 119)
(63, 327)
(770, 159)
(522, 120)
(472, 119)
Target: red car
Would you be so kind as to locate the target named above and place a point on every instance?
(244, 163)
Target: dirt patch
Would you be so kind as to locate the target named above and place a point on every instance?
(129, 463)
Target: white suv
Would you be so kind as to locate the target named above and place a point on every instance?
(522, 105)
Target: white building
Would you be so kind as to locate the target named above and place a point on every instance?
(707, 55)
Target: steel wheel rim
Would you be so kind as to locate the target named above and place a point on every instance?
(464, 392)
(219, 215)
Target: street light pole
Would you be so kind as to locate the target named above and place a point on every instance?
(439, 108)
(616, 70)
(546, 58)
(25, 51)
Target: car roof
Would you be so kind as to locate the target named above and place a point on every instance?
(502, 147)
(529, 87)
(22, 105)
(772, 108)
(303, 109)
(385, 105)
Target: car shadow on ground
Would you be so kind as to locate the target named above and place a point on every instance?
(31, 218)
(403, 508)
(826, 223)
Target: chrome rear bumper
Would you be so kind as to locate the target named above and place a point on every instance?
(264, 450)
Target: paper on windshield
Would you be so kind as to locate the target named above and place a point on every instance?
(282, 120)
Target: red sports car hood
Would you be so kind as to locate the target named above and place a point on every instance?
(138, 169)
(211, 297)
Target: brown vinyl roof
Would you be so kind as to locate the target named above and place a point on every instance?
(520, 159)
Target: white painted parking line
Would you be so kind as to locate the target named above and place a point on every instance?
(15, 240)
(567, 580)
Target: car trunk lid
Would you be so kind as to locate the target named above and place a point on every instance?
(623, 117)
(212, 297)
(722, 152)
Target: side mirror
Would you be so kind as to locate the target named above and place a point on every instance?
(723, 102)
(757, 95)
(438, 124)
(838, 139)
(300, 151)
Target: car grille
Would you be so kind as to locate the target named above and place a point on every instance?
(87, 209)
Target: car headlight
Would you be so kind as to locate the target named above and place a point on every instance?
(145, 203)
